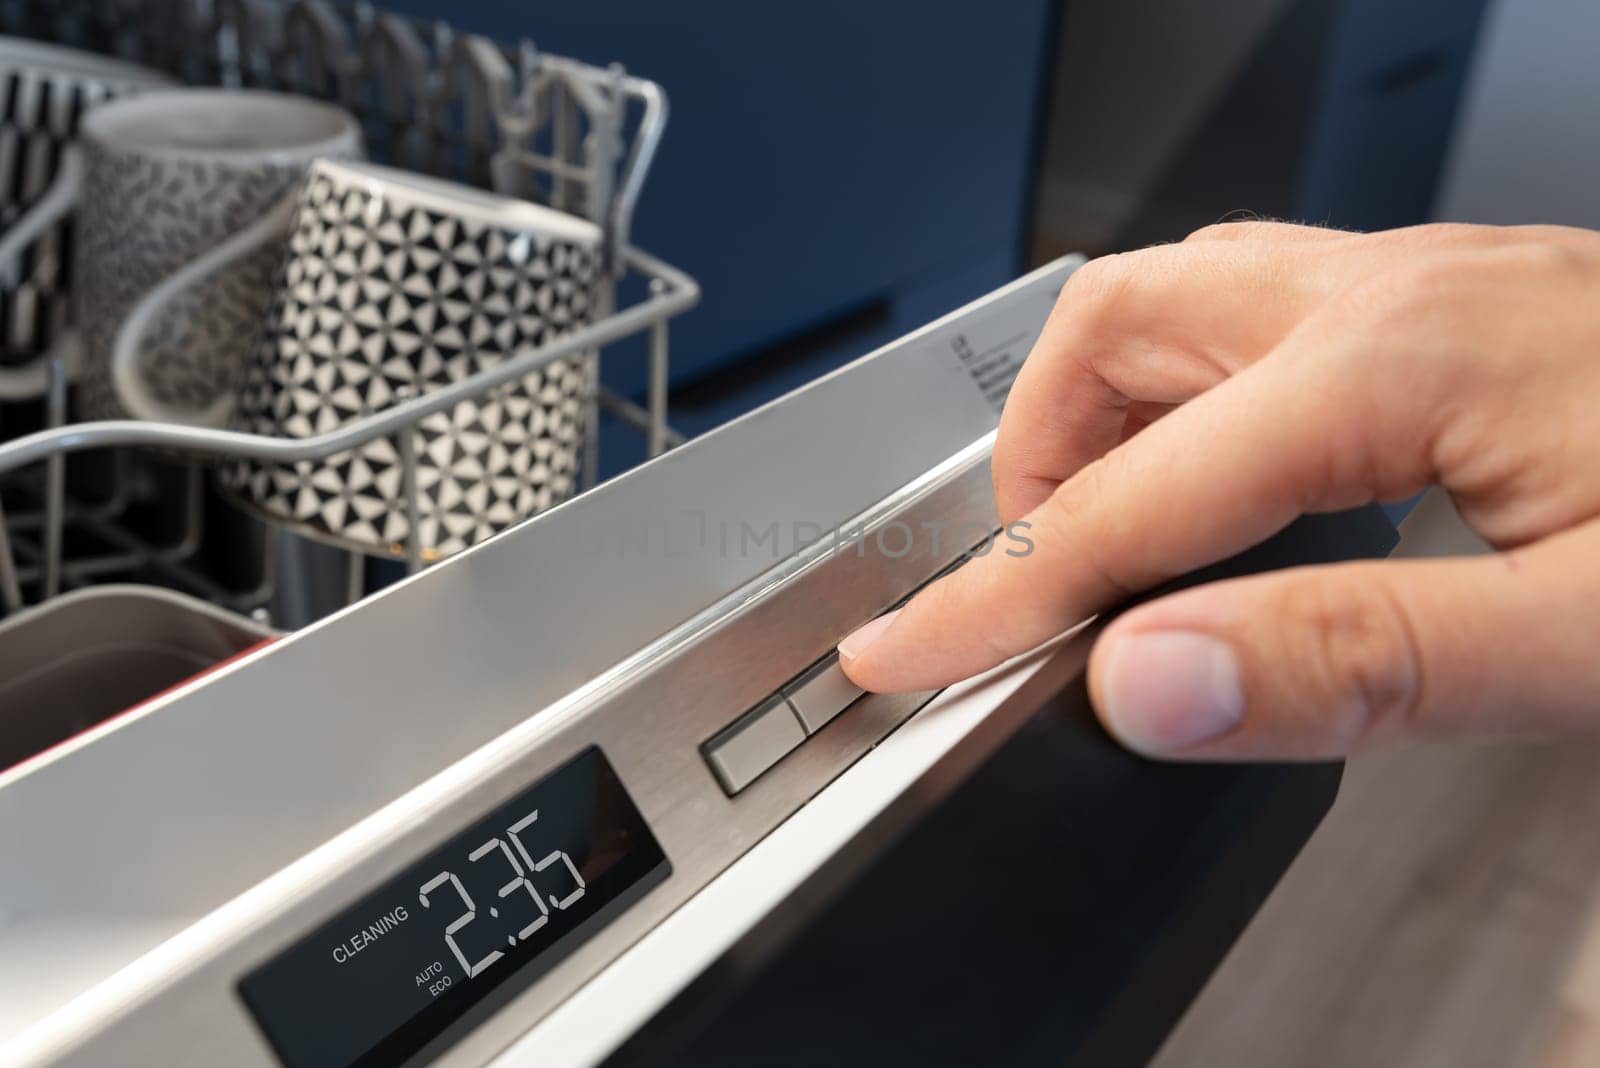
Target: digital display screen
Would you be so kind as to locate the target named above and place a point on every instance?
(484, 914)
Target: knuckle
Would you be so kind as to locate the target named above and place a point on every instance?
(1231, 230)
(1449, 279)
(1556, 260)
(1245, 230)
(1264, 231)
(1577, 238)
(1093, 291)
(1438, 234)
(1402, 292)
(1405, 311)
(1417, 309)
(1363, 656)
(1441, 237)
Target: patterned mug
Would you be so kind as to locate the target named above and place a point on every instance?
(45, 90)
(397, 284)
(181, 199)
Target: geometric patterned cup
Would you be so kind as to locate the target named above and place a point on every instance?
(181, 221)
(397, 284)
(45, 91)
(177, 200)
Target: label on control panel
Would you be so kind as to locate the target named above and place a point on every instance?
(991, 347)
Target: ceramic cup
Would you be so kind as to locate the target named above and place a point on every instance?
(181, 199)
(45, 91)
(395, 285)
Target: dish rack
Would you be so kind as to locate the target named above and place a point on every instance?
(498, 115)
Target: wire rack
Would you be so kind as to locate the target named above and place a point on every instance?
(498, 115)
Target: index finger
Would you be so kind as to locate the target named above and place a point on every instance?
(1311, 428)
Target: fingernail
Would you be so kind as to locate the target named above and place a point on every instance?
(1166, 691)
(855, 643)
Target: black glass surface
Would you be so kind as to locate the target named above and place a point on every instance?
(460, 931)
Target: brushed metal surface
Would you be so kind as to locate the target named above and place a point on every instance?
(284, 787)
(649, 715)
(299, 742)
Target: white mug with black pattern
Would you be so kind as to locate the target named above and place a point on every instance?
(45, 91)
(395, 285)
(181, 200)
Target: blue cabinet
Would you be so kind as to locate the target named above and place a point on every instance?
(1390, 89)
(820, 158)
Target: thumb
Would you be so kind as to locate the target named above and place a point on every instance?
(1319, 662)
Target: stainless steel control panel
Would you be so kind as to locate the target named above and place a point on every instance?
(292, 784)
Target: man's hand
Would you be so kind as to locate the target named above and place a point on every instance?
(1187, 401)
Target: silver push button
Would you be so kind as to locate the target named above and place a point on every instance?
(753, 743)
(821, 694)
